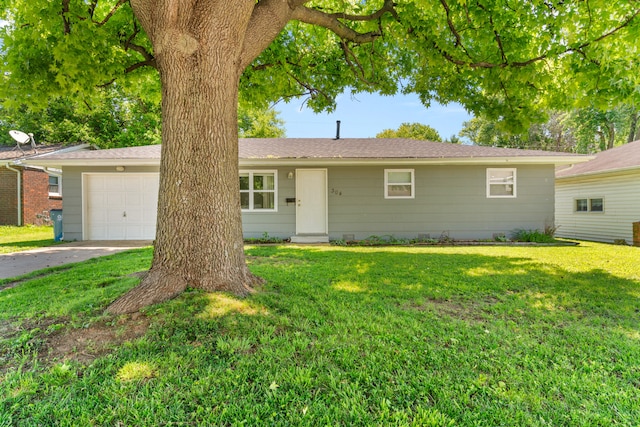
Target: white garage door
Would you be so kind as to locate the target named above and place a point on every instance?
(120, 206)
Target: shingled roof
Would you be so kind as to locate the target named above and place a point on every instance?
(624, 157)
(356, 149)
(11, 153)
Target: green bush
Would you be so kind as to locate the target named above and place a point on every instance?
(535, 236)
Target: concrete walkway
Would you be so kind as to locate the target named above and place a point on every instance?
(19, 263)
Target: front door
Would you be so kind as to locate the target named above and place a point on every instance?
(311, 202)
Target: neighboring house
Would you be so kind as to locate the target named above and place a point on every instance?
(28, 193)
(600, 199)
(313, 190)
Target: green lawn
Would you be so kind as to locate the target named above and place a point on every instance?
(15, 239)
(426, 336)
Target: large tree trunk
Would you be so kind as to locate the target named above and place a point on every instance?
(199, 233)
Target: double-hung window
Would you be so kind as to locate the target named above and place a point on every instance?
(258, 190)
(501, 182)
(55, 186)
(399, 184)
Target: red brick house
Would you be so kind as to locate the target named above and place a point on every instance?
(28, 193)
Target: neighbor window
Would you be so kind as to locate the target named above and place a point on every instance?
(55, 185)
(399, 184)
(258, 190)
(596, 205)
(501, 182)
(590, 205)
(582, 205)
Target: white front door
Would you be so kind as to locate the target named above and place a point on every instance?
(120, 206)
(311, 202)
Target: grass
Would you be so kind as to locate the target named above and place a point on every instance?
(427, 336)
(15, 239)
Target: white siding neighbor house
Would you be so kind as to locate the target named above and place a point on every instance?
(600, 200)
(314, 190)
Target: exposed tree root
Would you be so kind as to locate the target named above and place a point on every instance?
(241, 286)
(159, 286)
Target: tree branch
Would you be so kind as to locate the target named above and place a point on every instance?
(92, 8)
(332, 23)
(65, 19)
(495, 33)
(311, 91)
(357, 67)
(141, 50)
(452, 27)
(111, 12)
(388, 6)
(505, 63)
(269, 17)
(148, 63)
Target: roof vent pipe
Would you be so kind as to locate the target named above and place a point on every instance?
(337, 129)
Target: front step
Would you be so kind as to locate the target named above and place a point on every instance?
(320, 238)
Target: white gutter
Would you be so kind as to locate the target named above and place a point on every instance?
(275, 161)
(457, 161)
(52, 163)
(629, 169)
(19, 186)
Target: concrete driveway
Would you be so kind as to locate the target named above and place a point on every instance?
(19, 263)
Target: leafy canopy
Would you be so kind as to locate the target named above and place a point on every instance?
(509, 61)
(584, 130)
(412, 131)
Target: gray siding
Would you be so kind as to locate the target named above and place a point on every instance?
(448, 199)
(621, 194)
(280, 224)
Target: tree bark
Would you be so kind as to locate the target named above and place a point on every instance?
(199, 240)
(201, 48)
(611, 135)
(634, 132)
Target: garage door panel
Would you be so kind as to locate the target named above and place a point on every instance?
(135, 215)
(114, 232)
(121, 206)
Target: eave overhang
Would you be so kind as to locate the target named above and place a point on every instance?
(306, 162)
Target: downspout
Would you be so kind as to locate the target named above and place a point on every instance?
(19, 186)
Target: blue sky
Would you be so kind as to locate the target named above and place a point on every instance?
(365, 115)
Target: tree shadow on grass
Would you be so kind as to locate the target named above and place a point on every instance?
(415, 277)
(358, 337)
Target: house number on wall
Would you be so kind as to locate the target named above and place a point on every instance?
(336, 192)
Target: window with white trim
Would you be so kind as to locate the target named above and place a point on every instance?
(582, 205)
(258, 191)
(55, 186)
(595, 204)
(501, 182)
(399, 184)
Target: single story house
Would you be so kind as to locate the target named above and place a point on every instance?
(600, 200)
(28, 193)
(313, 190)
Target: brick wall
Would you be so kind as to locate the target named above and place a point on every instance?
(36, 202)
(35, 197)
(8, 197)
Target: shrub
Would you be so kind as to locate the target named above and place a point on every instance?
(265, 238)
(535, 236)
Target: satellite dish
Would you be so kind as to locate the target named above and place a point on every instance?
(22, 139)
(19, 136)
